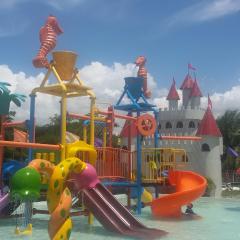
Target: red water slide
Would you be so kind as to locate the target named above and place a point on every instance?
(114, 216)
(189, 187)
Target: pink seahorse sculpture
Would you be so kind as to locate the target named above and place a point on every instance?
(48, 38)
(142, 72)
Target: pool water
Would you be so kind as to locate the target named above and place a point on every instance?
(219, 221)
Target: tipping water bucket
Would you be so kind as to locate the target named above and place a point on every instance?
(64, 62)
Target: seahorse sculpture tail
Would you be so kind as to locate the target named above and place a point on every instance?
(48, 38)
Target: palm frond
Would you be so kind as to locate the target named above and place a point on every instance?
(17, 101)
(19, 96)
(3, 87)
(5, 84)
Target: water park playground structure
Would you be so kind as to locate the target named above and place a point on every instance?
(115, 167)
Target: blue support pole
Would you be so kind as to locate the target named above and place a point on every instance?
(139, 171)
(121, 97)
(31, 125)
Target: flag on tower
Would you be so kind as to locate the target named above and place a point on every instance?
(190, 66)
(209, 102)
(232, 152)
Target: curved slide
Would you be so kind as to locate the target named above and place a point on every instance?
(9, 168)
(4, 201)
(189, 187)
(114, 216)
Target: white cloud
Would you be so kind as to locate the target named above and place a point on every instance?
(107, 83)
(204, 11)
(221, 102)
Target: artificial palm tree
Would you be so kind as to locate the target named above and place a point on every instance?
(6, 97)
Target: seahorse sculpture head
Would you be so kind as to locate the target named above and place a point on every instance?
(140, 61)
(52, 20)
(48, 38)
(142, 72)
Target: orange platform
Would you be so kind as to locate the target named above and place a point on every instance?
(189, 187)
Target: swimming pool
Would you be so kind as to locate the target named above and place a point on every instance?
(220, 221)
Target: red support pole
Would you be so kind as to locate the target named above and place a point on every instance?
(110, 125)
(13, 124)
(30, 145)
(118, 115)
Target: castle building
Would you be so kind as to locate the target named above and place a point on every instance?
(189, 119)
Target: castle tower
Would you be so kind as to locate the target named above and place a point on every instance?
(195, 96)
(173, 97)
(211, 148)
(186, 88)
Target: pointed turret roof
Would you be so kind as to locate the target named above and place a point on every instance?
(173, 94)
(208, 125)
(125, 129)
(195, 90)
(187, 82)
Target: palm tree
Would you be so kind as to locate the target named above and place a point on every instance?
(229, 125)
(6, 97)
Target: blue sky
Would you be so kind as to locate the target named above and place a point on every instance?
(169, 33)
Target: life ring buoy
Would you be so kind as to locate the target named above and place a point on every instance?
(146, 124)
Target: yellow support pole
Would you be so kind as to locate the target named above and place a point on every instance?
(92, 113)
(45, 156)
(63, 125)
(90, 218)
(85, 134)
(52, 157)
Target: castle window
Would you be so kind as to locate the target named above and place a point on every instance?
(191, 124)
(179, 124)
(168, 125)
(205, 147)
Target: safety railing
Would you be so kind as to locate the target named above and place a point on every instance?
(156, 162)
(113, 163)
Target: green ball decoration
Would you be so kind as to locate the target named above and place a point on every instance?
(25, 184)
